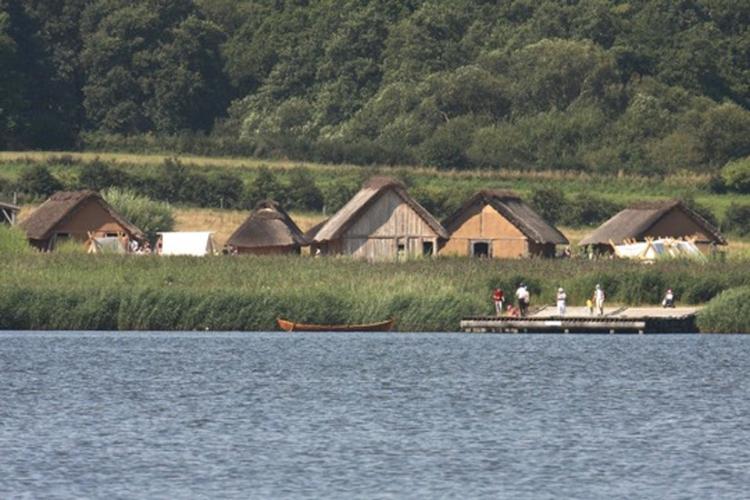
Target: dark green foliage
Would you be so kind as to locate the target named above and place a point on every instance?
(151, 66)
(549, 202)
(736, 175)
(264, 186)
(336, 195)
(737, 219)
(223, 190)
(727, 313)
(588, 210)
(38, 181)
(98, 175)
(302, 193)
(649, 87)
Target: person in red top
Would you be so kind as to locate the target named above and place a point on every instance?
(498, 297)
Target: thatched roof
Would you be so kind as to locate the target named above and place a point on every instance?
(61, 205)
(267, 226)
(518, 213)
(635, 221)
(310, 233)
(371, 191)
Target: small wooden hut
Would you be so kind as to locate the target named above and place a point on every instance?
(267, 231)
(380, 222)
(499, 224)
(659, 219)
(8, 213)
(75, 215)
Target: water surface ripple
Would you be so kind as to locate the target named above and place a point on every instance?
(271, 415)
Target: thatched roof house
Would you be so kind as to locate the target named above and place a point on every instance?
(8, 213)
(268, 230)
(499, 224)
(381, 221)
(76, 215)
(660, 219)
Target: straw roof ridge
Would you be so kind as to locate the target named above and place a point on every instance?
(61, 205)
(268, 225)
(639, 217)
(371, 191)
(516, 211)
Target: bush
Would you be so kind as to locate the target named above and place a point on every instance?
(13, 241)
(223, 190)
(302, 193)
(338, 194)
(736, 175)
(737, 219)
(264, 186)
(588, 210)
(98, 175)
(550, 203)
(38, 181)
(729, 312)
(148, 215)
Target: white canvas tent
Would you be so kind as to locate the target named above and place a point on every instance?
(197, 244)
(653, 249)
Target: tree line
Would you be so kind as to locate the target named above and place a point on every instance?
(643, 86)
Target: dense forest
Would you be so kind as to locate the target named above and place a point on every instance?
(641, 86)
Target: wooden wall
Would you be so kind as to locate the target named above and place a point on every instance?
(677, 224)
(484, 223)
(90, 216)
(377, 233)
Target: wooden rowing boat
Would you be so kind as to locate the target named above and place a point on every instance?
(291, 326)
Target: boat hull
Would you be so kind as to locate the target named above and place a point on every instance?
(291, 326)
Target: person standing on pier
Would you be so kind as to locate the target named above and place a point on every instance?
(498, 297)
(562, 297)
(522, 294)
(599, 298)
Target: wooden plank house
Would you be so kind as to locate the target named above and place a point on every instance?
(267, 231)
(653, 220)
(75, 215)
(382, 221)
(8, 213)
(499, 224)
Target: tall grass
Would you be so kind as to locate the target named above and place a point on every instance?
(12, 242)
(248, 293)
(729, 312)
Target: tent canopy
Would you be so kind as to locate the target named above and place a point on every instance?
(197, 244)
(653, 249)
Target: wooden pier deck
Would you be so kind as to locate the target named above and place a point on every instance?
(579, 320)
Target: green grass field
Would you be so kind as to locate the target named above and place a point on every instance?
(622, 189)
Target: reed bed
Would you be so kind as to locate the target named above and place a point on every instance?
(53, 291)
(729, 312)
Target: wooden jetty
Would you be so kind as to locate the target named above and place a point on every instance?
(580, 320)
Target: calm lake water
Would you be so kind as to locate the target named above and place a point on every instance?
(272, 415)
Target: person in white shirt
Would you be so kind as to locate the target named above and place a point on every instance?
(562, 297)
(668, 299)
(599, 298)
(522, 294)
